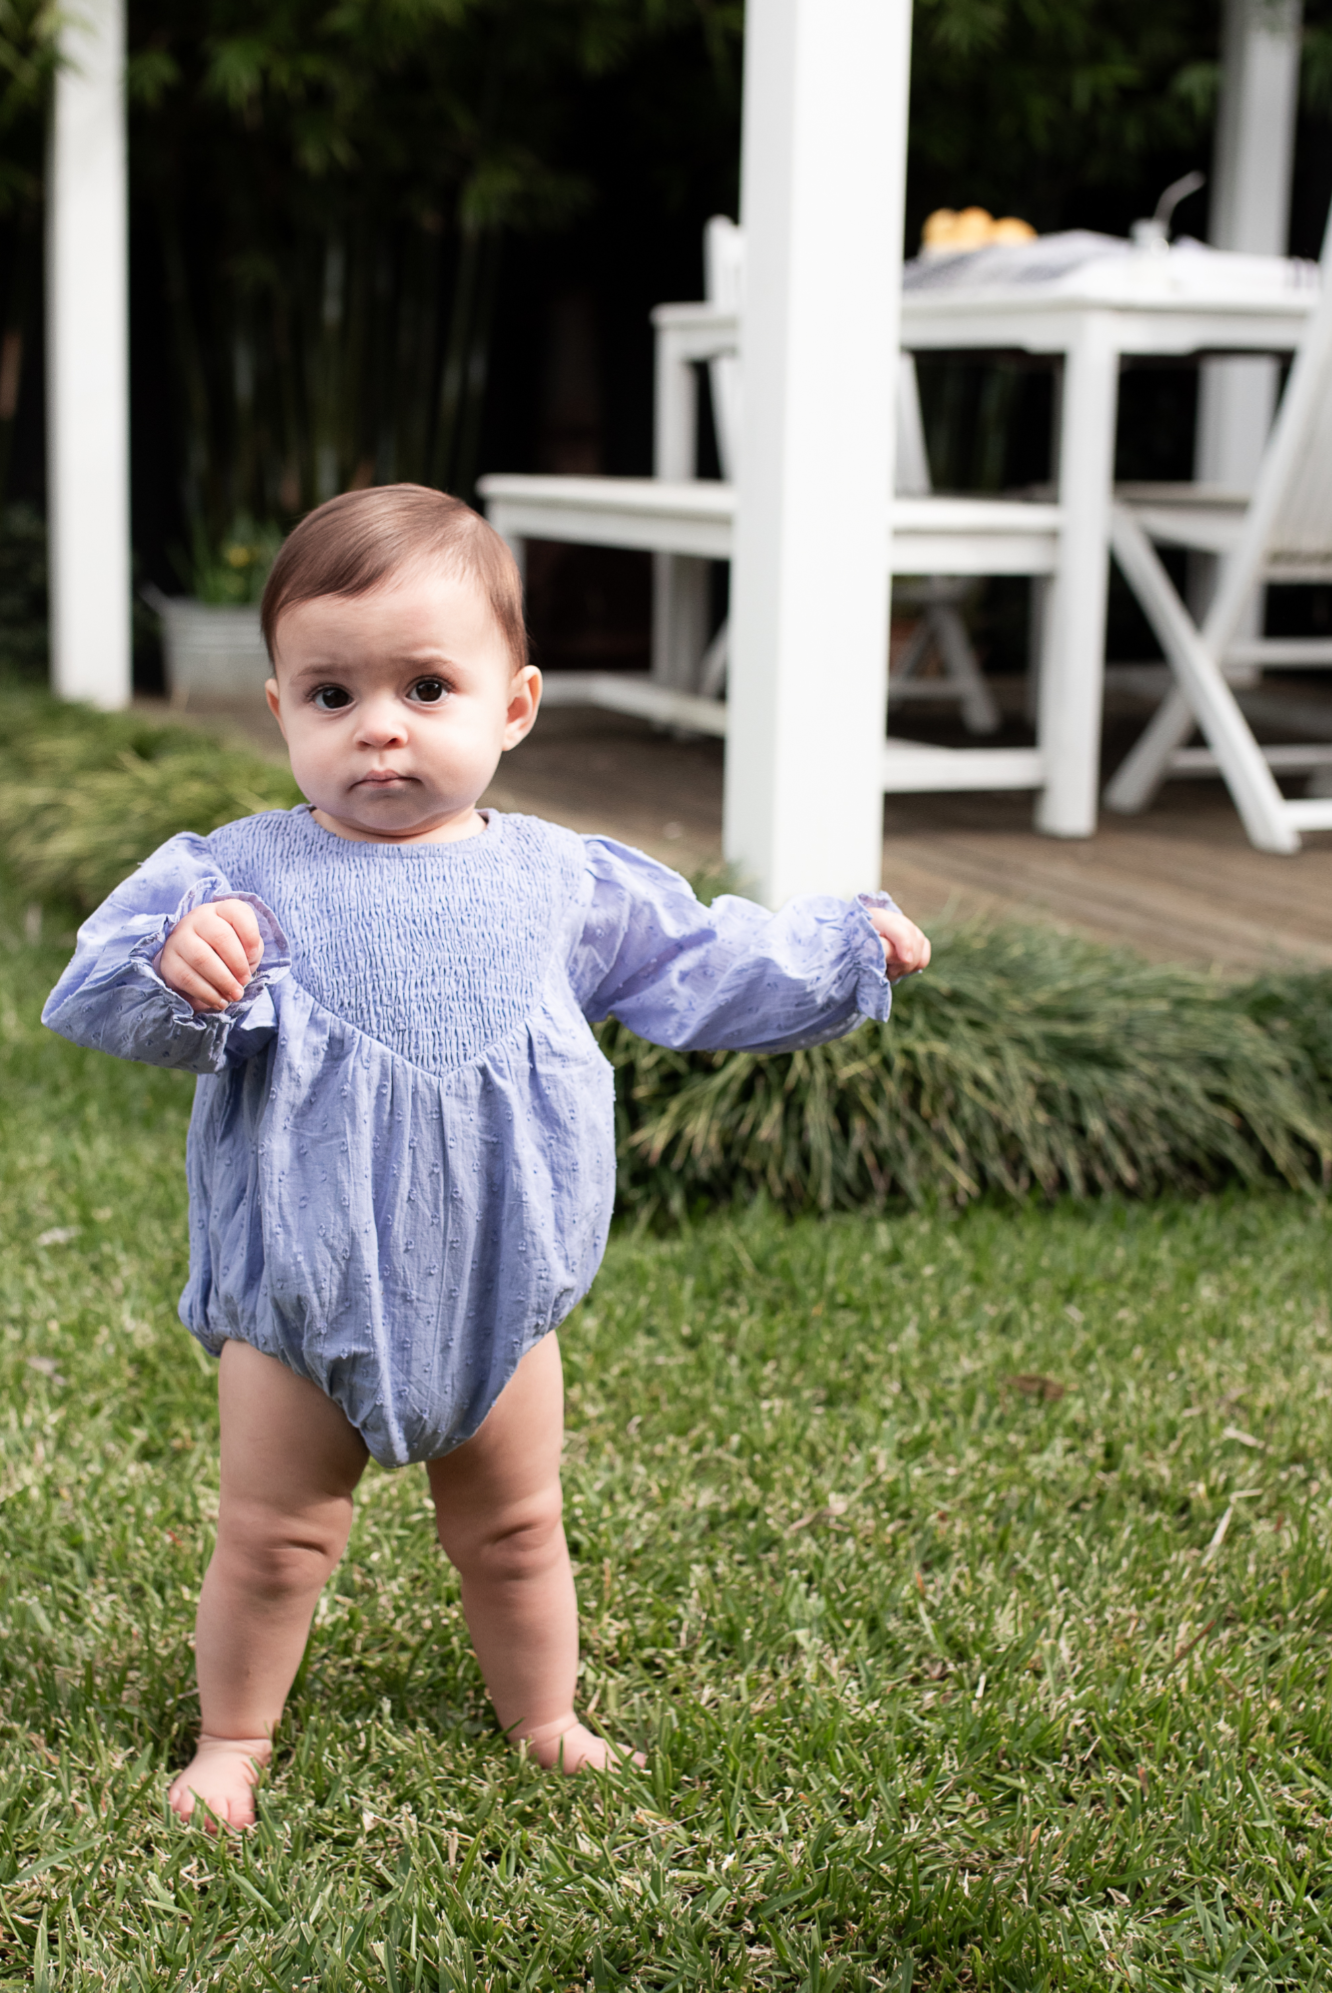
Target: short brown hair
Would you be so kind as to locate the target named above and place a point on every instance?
(353, 543)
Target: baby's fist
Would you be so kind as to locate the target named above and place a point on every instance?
(905, 949)
(212, 954)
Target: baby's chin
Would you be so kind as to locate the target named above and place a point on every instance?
(397, 814)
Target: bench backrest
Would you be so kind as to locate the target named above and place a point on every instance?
(724, 286)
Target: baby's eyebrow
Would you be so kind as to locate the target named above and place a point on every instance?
(320, 670)
(345, 671)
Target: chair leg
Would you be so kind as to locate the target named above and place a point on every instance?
(1138, 777)
(914, 653)
(1038, 611)
(716, 658)
(679, 618)
(980, 714)
(1260, 803)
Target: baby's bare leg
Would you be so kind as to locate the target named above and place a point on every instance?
(498, 1507)
(290, 1461)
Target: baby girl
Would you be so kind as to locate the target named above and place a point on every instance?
(401, 1158)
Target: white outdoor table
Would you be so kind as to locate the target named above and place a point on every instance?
(1122, 301)
(1091, 301)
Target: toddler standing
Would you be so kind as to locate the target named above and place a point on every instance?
(401, 1157)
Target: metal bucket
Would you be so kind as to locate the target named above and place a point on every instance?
(213, 654)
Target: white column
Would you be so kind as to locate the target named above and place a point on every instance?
(87, 362)
(822, 176)
(1251, 175)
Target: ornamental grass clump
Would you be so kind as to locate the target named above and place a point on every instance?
(85, 796)
(1025, 1060)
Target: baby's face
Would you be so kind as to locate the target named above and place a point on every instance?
(397, 705)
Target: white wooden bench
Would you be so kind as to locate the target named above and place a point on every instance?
(686, 521)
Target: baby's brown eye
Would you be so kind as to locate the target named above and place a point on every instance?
(331, 698)
(430, 691)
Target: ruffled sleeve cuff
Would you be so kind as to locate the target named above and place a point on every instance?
(274, 963)
(113, 999)
(218, 1037)
(874, 992)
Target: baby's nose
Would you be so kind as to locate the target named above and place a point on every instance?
(382, 721)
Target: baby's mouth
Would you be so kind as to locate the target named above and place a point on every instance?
(381, 778)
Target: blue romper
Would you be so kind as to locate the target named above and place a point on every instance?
(402, 1153)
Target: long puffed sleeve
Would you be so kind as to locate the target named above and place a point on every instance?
(111, 997)
(729, 977)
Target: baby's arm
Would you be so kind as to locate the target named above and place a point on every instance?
(179, 911)
(211, 954)
(731, 976)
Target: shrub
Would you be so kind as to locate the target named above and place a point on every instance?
(1025, 1060)
(85, 796)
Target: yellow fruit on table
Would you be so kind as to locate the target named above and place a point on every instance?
(950, 232)
(972, 228)
(937, 232)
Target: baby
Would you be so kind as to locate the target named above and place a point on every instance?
(401, 1157)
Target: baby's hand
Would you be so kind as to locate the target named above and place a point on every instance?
(212, 954)
(905, 948)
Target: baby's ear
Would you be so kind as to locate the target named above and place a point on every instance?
(524, 699)
(274, 703)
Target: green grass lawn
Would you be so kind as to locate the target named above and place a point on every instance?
(966, 1578)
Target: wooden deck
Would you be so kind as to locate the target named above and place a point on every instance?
(1180, 882)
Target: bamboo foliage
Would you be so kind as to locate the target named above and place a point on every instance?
(323, 191)
(27, 64)
(330, 190)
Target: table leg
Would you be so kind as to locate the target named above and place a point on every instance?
(1073, 662)
(679, 619)
(679, 585)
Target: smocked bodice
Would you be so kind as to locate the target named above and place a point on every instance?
(435, 950)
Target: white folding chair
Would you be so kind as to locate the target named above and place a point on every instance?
(940, 631)
(1283, 534)
(938, 599)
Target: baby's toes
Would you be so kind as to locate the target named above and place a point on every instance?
(600, 1754)
(580, 1749)
(240, 1812)
(217, 1789)
(181, 1798)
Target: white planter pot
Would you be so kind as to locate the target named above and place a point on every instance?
(212, 654)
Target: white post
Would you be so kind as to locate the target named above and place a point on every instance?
(87, 362)
(822, 178)
(1251, 175)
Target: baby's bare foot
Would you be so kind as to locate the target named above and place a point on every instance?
(573, 1747)
(221, 1774)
